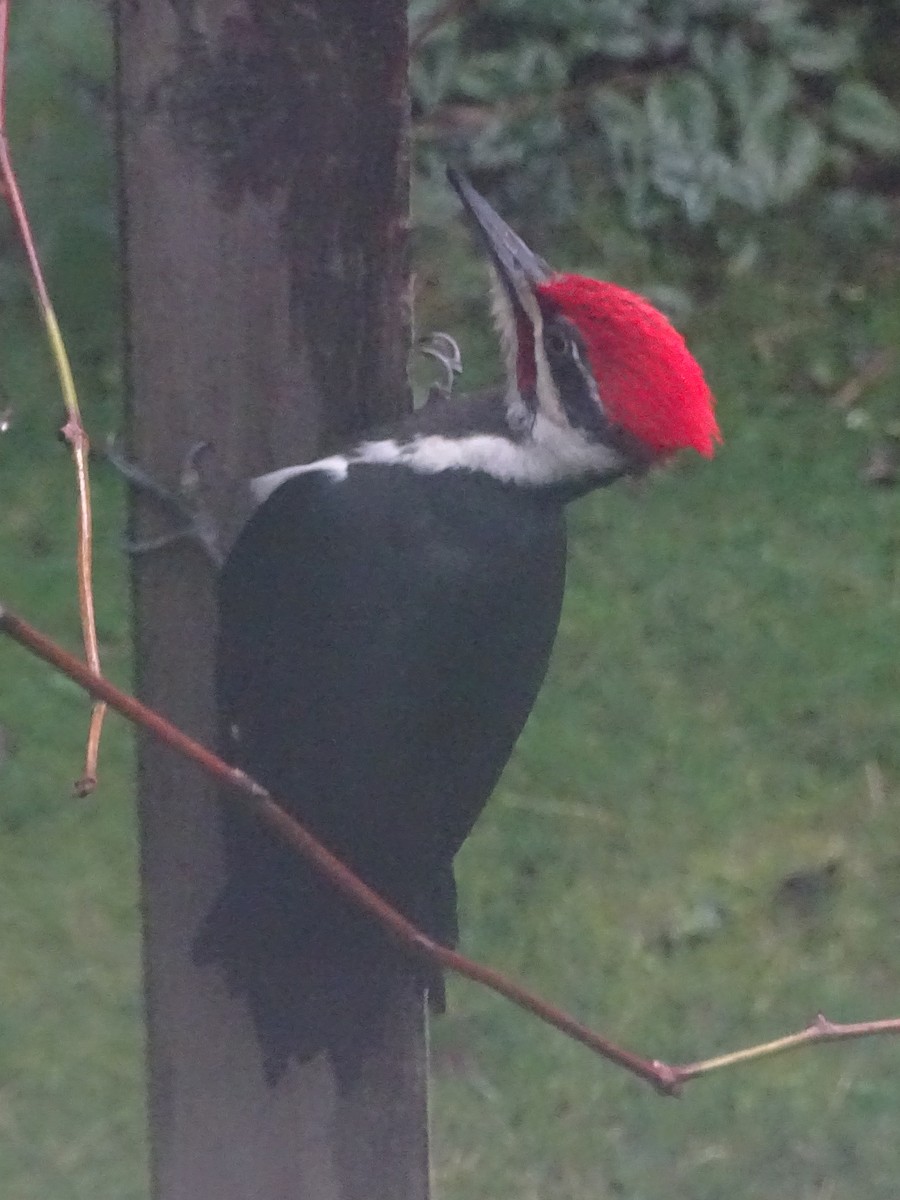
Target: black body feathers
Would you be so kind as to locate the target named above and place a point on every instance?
(382, 639)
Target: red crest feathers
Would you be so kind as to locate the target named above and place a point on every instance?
(650, 384)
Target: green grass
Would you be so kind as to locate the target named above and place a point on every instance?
(71, 1106)
(721, 714)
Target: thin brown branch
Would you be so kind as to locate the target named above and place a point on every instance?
(821, 1030)
(78, 440)
(4, 49)
(73, 430)
(273, 815)
(666, 1078)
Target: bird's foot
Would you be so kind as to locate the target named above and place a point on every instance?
(444, 350)
(185, 504)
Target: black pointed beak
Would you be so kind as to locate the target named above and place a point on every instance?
(518, 268)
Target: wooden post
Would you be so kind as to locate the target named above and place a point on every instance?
(264, 163)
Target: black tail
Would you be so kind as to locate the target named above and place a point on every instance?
(314, 970)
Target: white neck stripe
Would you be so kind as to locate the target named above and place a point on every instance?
(550, 455)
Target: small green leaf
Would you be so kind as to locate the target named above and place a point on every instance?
(734, 73)
(863, 115)
(817, 51)
(773, 90)
(801, 160)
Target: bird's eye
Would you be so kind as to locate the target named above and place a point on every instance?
(557, 343)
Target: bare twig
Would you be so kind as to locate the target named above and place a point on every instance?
(73, 430)
(821, 1030)
(273, 815)
(666, 1078)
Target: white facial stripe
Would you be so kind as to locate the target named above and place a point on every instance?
(504, 323)
(588, 376)
(573, 453)
(548, 397)
(549, 401)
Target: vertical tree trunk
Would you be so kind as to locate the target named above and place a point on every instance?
(264, 167)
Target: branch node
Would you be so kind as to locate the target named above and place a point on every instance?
(668, 1080)
(83, 787)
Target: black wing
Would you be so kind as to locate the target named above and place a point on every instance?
(382, 639)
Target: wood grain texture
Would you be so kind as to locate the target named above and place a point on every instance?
(264, 169)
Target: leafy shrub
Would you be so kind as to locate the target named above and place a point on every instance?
(60, 72)
(685, 112)
(693, 111)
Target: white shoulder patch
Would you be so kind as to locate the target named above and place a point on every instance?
(550, 454)
(262, 487)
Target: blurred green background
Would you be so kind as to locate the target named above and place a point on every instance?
(697, 844)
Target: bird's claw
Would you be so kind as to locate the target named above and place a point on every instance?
(444, 349)
(186, 507)
(190, 480)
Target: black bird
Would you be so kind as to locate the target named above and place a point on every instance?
(386, 617)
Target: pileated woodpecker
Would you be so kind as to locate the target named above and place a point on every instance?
(386, 617)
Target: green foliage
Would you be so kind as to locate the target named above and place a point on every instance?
(698, 112)
(60, 72)
(721, 721)
(863, 115)
(721, 716)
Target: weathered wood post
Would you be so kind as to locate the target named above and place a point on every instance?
(264, 209)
